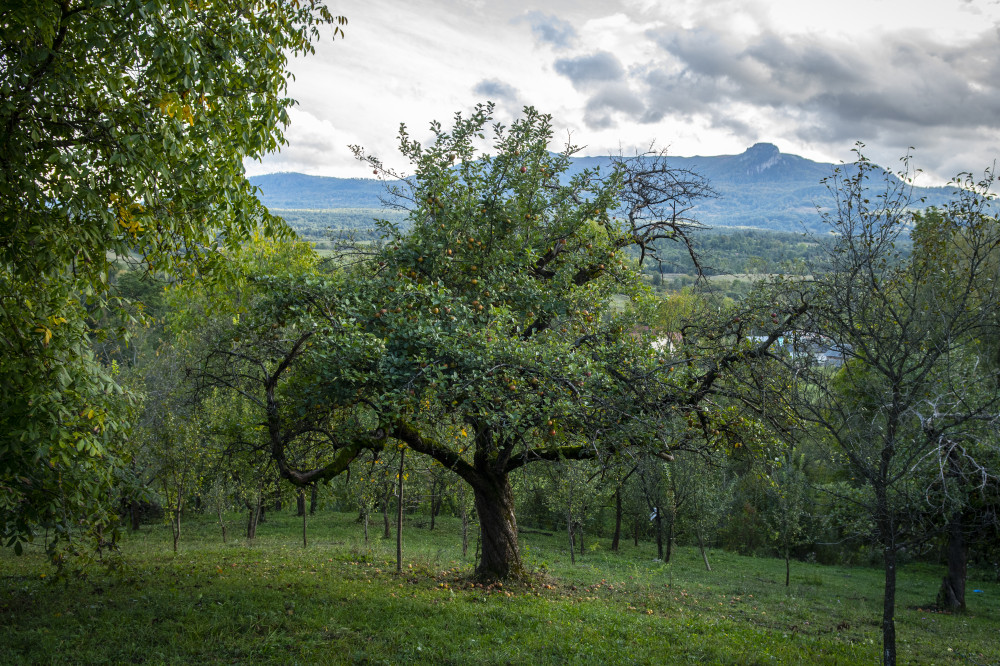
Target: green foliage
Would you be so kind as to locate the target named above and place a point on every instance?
(126, 124)
(745, 251)
(326, 227)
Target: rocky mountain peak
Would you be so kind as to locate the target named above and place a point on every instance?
(760, 157)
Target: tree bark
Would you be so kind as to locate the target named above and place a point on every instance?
(952, 593)
(670, 538)
(300, 503)
(501, 554)
(618, 520)
(313, 500)
(222, 521)
(659, 535)
(399, 514)
(569, 527)
(305, 516)
(889, 608)
(887, 537)
(386, 530)
(704, 553)
(256, 511)
(133, 512)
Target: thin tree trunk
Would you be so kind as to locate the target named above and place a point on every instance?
(569, 526)
(366, 526)
(618, 520)
(635, 533)
(313, 499)
(386, 530)
(399, 514)
(222, 522)
(659, 535)
(305, 516)
(256, 510)
(300, 502)
(133, 512)
(670, 537)
(704, 553)
(175, 519)
(436, 498)
(788, 566)
(176, 524)
(887, 537)
(465, 529)
(578, 529)
(889, 609)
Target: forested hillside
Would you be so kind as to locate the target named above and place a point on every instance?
(761, 188)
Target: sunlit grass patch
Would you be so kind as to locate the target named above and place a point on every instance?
(340, 601)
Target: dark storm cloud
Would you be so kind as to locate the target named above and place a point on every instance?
(549, 29)
(610, 98)
(496, 90)
(905, 81)
(588, 69)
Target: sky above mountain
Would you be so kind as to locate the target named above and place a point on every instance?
(698, 77)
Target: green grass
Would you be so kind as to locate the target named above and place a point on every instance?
(340, 602)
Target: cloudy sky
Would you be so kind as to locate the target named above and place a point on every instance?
(699, 77)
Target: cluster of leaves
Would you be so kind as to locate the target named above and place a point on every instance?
(125, 124)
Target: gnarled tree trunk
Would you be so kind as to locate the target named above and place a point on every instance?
(952, 593)
(501, 554)
(300, 503)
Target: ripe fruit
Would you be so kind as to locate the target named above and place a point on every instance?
(524, 169)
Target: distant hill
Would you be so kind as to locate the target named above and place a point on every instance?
(760, 188)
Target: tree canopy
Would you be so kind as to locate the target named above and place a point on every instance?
(503, 327)
(125, 123)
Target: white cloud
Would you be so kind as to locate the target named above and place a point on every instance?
(706, 77)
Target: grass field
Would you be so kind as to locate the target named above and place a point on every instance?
(338, 601)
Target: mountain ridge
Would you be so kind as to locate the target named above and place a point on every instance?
(759, 188)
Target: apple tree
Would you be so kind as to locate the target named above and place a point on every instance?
(506, 309)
